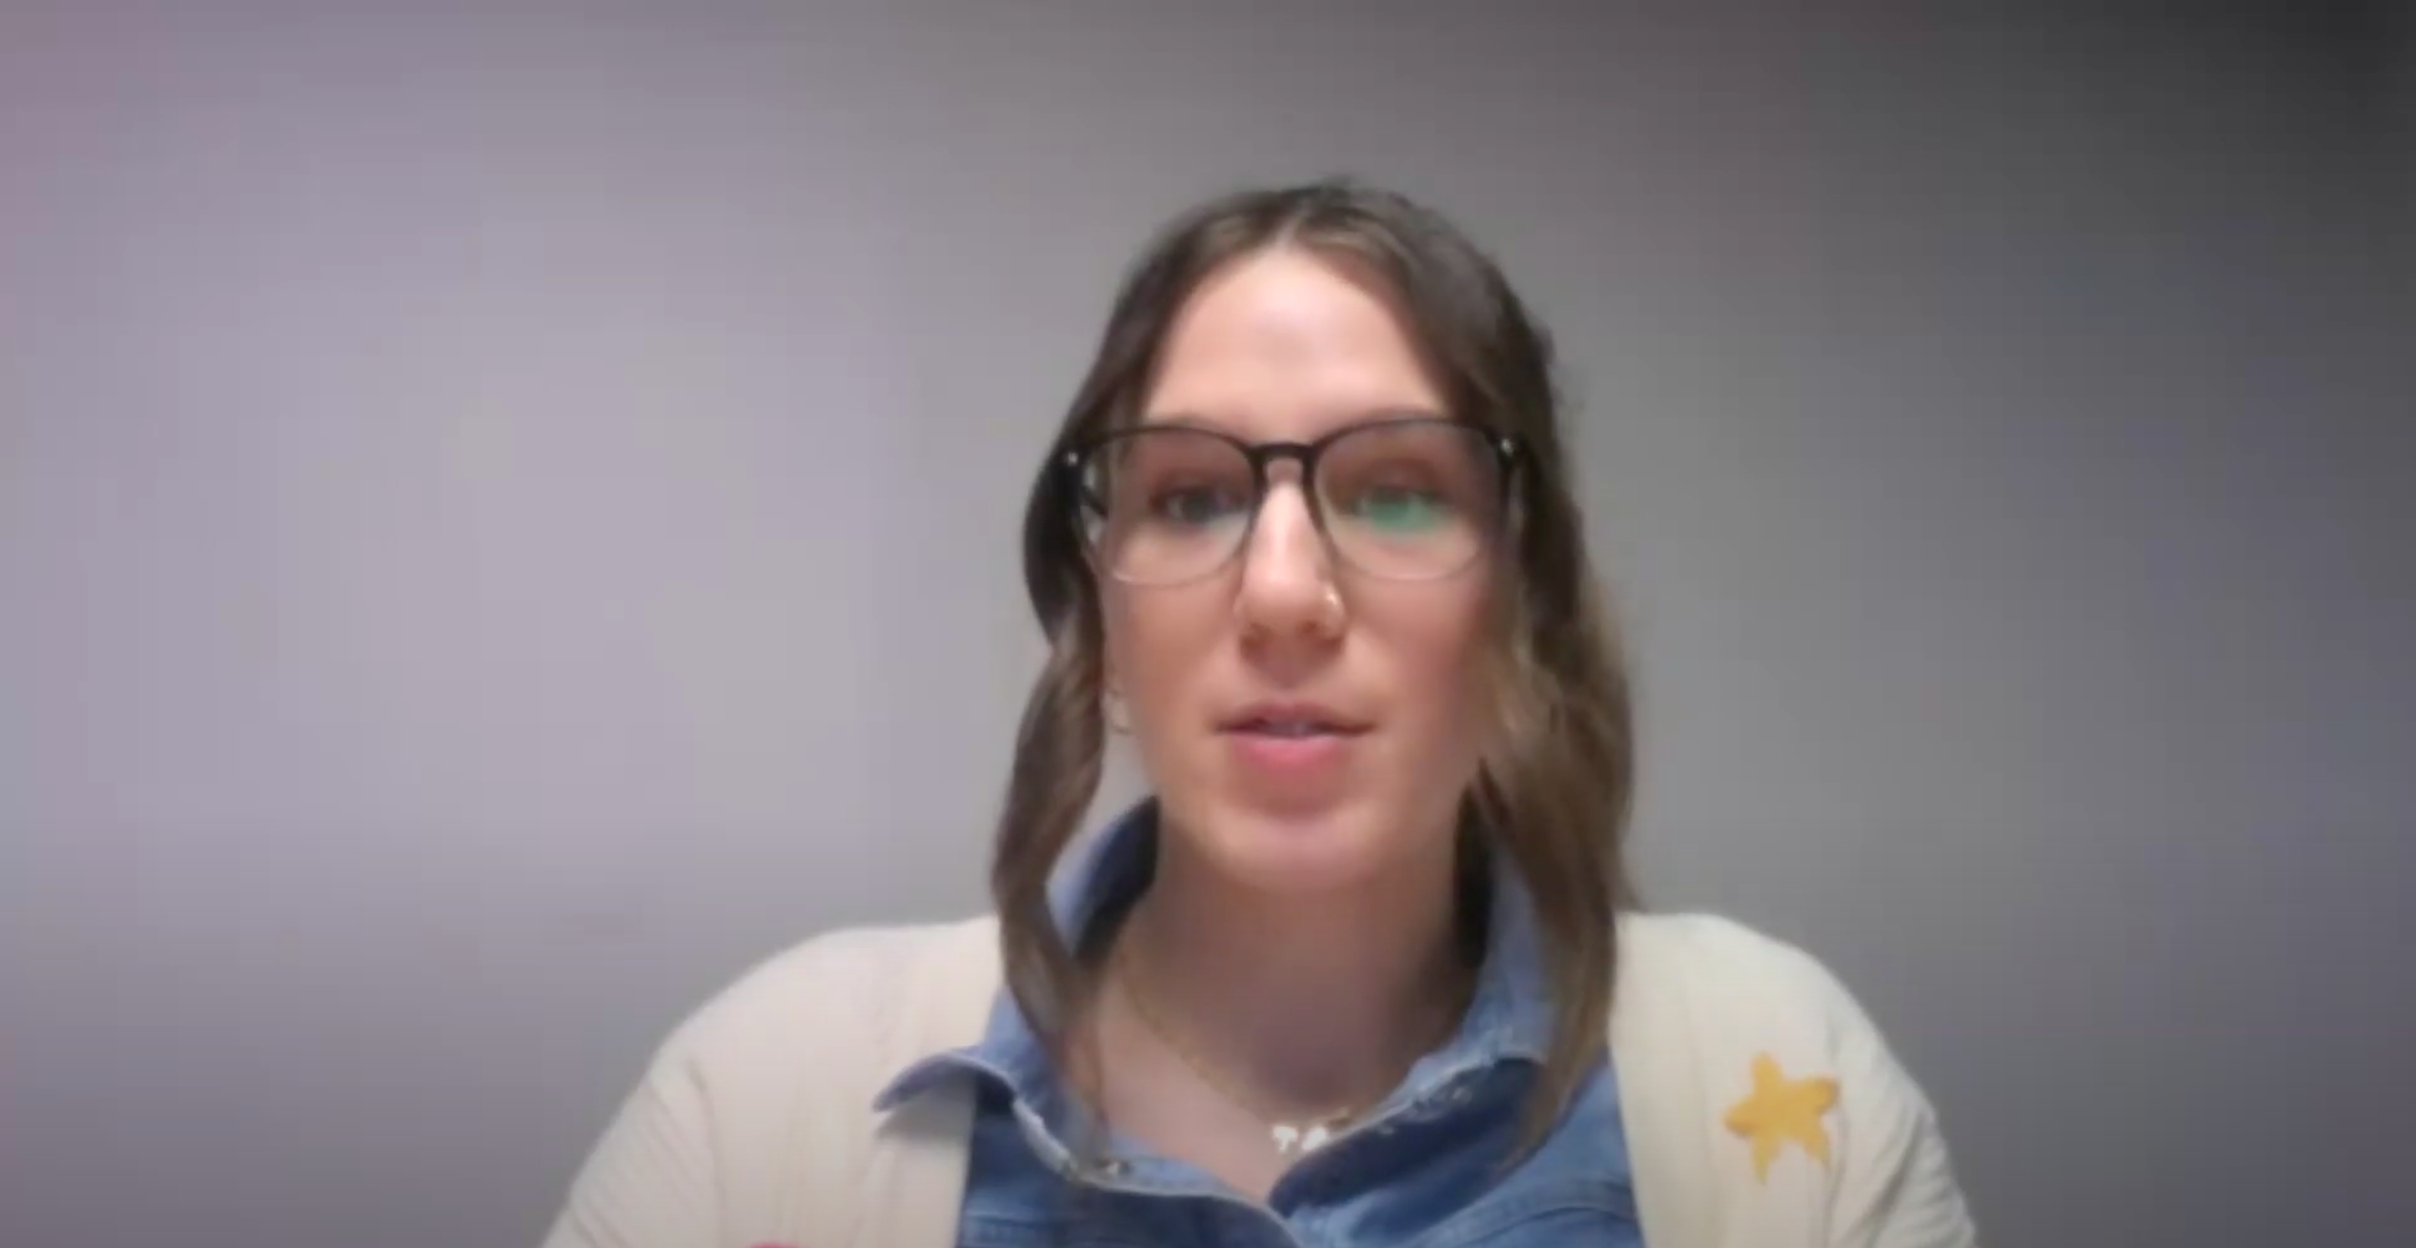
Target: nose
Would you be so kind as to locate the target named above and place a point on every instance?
(1287, 586)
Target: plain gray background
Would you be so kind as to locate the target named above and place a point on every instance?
(505, 519)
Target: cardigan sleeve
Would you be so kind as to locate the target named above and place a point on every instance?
(1893, 1185)
(1704, 1000)
(649, 1181)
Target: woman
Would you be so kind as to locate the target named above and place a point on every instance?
(1366, 968)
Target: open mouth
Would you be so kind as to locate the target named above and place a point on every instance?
(1294, 724)
(1289, 728)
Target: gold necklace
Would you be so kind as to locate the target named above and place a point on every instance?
(1291, 1138)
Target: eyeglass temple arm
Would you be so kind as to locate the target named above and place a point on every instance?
(1070, 463)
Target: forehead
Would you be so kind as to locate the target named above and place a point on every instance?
(1288, 344)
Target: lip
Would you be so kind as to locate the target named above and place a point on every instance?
(1335, 723)
(1291, 757)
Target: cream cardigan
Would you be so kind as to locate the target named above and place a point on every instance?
(755, 1124)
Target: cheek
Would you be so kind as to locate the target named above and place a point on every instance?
(1155, 641)
(1454, 676)
(1439, 650)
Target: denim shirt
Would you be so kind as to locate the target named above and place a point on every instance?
(1420, 1171)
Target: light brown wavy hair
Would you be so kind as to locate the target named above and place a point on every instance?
(1555, 782)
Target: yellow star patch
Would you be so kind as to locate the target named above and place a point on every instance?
(1782, 1109)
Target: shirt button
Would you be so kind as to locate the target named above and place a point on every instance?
(1115, 1168)
(1458, 1097)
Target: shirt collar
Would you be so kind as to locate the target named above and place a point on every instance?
(1509, 1016)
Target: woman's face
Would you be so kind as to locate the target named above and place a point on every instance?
(1305, 725)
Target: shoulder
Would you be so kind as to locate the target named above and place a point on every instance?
(1710, 940)
(850, 1000)
(871, 961)
(1737, 987)
(1723, 964)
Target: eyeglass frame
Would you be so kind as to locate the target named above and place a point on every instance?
(1070, 462)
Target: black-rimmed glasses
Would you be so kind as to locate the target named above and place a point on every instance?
(1410, 498)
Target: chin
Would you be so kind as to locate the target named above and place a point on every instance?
(1331, 848)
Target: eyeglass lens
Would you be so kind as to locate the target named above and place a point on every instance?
(1409, 499)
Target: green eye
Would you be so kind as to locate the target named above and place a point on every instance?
(1399, 509)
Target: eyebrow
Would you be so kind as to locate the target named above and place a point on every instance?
(1363, 416)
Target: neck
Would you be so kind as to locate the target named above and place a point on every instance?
(1308, 1003)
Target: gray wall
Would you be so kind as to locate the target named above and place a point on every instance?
(504, 521)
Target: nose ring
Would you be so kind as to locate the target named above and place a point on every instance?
(1333, 616)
